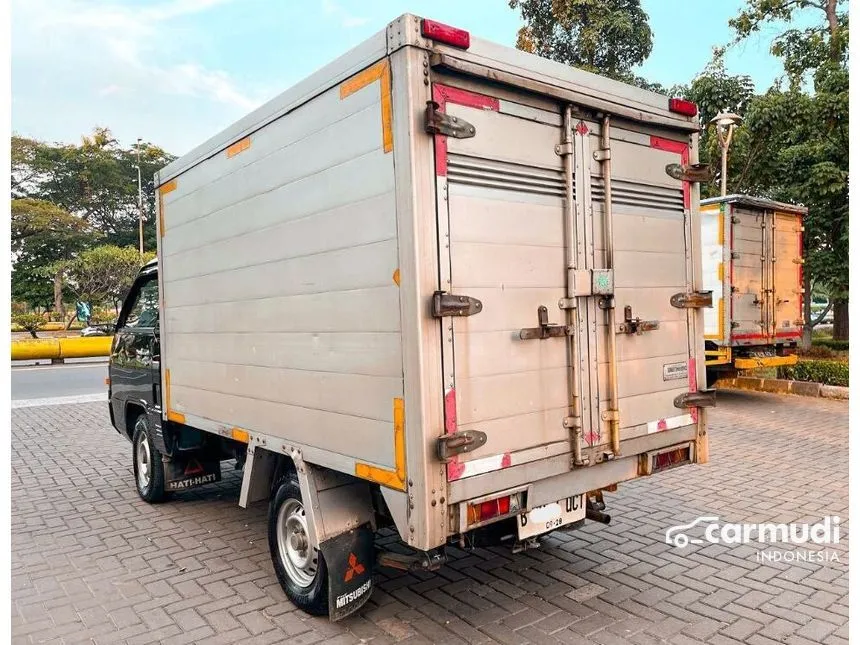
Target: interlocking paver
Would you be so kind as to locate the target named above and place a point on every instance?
(93, 563)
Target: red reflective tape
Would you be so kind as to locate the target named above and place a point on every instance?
(444, 94)
(678, 147)
(779, 334)
(694, 385)
(451, 411)
(455, 469)
(506, 460)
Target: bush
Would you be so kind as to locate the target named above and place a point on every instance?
(29, 322)
(824, 372)
(836, 345)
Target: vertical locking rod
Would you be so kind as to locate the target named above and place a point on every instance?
(614, 426)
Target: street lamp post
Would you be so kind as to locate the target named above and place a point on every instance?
(139, 198)
(725, 123)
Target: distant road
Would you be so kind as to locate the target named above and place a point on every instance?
(47, 384)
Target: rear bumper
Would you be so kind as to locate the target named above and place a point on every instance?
(754, 362)
(551, 479)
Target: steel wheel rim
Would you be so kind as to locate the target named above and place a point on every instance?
(144, 462)
(297, 554)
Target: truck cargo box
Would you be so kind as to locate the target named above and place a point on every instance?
(448, 269)
(752, 260)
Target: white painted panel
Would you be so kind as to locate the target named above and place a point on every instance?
(346, 353)
(506, 138)
(506, 266)
(713, 253)
(668, 340)
(364, 439)
(359, 310)
(370, 265)
(638, 269)
(495, 397)
(506, 434)
(510, 309)
(502, 352)
(643, 164)
(500, 221)
(643, 376)
(356, 395)
(371, 220)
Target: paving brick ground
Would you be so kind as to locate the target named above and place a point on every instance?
(91, 563)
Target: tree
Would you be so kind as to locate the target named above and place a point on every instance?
(96, 180)
(608, 37)
(42, 235)
(29, 322)
(102, 274)
(798, 139)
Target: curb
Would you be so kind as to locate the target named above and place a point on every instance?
(781, 386)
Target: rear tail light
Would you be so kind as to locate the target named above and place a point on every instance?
(493, 508)
(665, 458)
(683, 106)
(445, 33)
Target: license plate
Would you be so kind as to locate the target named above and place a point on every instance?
(548, 517)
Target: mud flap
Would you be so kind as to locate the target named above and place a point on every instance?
(184, 472)
(349, 558)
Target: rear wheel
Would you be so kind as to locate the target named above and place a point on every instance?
(148, 466)
(298, 562)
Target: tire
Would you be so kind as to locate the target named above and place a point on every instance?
(299, 565)
(148, 466)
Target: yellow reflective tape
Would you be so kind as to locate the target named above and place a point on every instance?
(170, 186)
(399, 441)
(396, 277)
(240, 435)
(381, 72)
(177, 417)
(720, 272)
(387, 478)
(721, 234)
(167, 389)
(239, 146)
(390, 478)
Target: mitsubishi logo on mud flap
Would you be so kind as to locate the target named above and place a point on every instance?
(356, 568)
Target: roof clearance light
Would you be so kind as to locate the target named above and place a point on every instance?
(445, 33)
(683, 106)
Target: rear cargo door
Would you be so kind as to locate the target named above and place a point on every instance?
(751, 276)
(509, 366)
(787, 277)
(656, 342)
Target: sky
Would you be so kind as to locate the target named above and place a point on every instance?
(176, 72)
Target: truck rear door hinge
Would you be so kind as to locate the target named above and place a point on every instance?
(699, 399)
(459, 442)
(436, 122)
(697, 172)
(450, 304)
(692, 300)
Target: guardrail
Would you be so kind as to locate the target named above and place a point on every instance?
(58, 349)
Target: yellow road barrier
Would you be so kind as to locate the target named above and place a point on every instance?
(55, 348)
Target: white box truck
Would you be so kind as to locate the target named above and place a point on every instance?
(752, 261)
(441, 285)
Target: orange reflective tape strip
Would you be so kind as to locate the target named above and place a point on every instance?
(399, 440)
(721, 234)
(176, 417)
(381, 72)
(239, 146)
(240, 435)
(169, 187)
(391, 478)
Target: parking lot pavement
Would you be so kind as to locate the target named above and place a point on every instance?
(93, 563)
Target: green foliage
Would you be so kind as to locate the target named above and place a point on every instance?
(609, 37)
(103, 274)
(829, 343)
(825, 372)
(29, 322)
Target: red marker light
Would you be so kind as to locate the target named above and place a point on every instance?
(445, 33)
(683, 106)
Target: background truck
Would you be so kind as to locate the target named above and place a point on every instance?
(440, 285)
(752, 261)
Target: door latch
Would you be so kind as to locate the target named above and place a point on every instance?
(436, 122)
(459, 442)
(698, 399)
(544, 328)
(636, 325)
(451, 304)
(693, 300)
